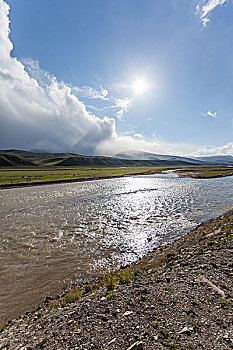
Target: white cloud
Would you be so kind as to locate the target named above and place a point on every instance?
(34, 70)
(226, 149)
(210, 114)
(124, 105)
(205, 7)
(120, 143)
(138, 135)
(89, 92)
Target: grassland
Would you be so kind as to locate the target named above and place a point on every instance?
(27, 176)
(23, 176)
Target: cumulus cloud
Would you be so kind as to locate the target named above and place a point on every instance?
(210, 114)
(205, 7)
(226, 149)
(120, 143)
(38, 111)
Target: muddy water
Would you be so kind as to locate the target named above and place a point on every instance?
(53, 234)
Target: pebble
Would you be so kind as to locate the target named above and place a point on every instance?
(136, 346)
(186, 330)
(128, 313)
(112, 341)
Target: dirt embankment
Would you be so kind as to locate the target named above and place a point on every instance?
(202, 174)
(178, 297)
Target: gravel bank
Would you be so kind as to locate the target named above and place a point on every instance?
(178, 297)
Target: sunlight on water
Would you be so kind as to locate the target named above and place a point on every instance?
(52, 234)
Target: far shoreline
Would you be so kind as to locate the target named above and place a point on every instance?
(192, 174)
(38, 183)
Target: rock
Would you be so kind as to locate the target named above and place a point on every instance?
(186, 330)
(112, 341)
(128, 313)
(136, 346)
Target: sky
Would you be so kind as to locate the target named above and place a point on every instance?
(106, 76)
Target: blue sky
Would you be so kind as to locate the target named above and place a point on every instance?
(152, 75)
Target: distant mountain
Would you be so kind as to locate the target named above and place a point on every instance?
(220, 160)
(138, 155)
(15, 157)
(70, 159)
(115, 162)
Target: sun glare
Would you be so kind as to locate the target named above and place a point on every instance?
(139, 86)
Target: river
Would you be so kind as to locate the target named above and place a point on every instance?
(51, 235)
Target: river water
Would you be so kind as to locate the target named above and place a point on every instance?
(53, 234)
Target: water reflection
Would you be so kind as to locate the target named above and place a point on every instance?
(51, 234)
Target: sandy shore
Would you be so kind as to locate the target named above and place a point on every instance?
(177, 297)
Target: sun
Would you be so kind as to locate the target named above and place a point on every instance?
(139, 86)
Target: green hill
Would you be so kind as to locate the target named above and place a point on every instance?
(70, 159)
(15, 157)
(13, 160)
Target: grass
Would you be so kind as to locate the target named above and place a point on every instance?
(206, 172)
(154, 324)
(36, 175)
(222, 302)
(196, 326)
(2, 327)
(111, 295)
(19, 176)
(215, 173)
(5, 344)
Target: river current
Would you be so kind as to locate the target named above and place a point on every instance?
(51, 235)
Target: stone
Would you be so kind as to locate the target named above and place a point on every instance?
(186, 330)
(112, 341)
(136, 346)
(128, 313)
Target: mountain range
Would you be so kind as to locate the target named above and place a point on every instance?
(16, 157)
(213, 160)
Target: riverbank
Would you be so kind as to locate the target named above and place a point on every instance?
(14, 178)
(72, 181)
(177, 297)
(205, 174)
(27, 177)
